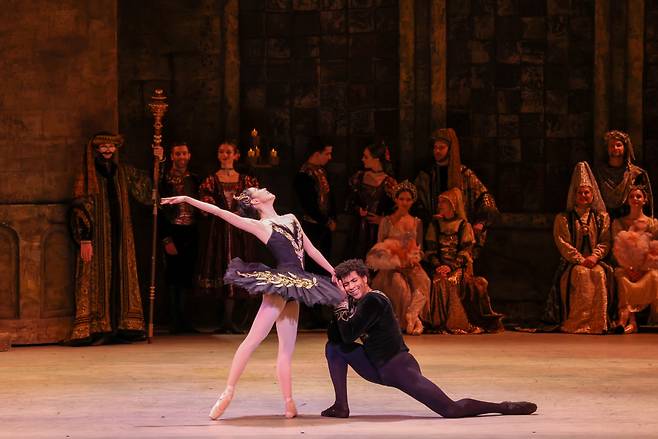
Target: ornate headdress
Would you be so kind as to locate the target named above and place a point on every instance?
(242, 197)
(449, 136)
(245, 208)
(102, 139)
(456, 200)
(86, 183)
(638, 187)
(406, 186)
(442, 134)
(582, 176)
(629, 154)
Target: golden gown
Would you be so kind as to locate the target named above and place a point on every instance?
(459, 303)
(583, 291)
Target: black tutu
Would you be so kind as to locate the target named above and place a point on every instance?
(290, 282)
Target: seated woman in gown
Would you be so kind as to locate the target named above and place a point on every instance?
(397, 257)
(459, 301)
(636, 258)
(579, 298)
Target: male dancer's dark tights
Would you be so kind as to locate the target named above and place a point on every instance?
(401, 372)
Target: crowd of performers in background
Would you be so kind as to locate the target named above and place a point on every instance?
(420, 240)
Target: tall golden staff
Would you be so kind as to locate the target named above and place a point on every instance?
(158, 108)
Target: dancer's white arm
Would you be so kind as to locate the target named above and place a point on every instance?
(256, 228)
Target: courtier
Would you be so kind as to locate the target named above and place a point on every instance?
(179, 232)
(446, 172)
(618, 174)
(107, 293)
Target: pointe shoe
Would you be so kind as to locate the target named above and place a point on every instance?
(291, 409)
(335, 412)
(222, 403)
(518, 408)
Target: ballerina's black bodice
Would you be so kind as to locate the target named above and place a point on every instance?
(287, 245)
(288, 279)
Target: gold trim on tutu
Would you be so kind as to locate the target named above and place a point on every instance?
(280, 279)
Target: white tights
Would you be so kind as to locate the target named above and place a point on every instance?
(273, 309)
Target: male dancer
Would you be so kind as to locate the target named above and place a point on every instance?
(383, 358)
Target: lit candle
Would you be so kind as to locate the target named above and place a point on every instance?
(255, 138)
(274, 156)
(251, 156)
(255, 144)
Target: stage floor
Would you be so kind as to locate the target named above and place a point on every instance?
(585, 386)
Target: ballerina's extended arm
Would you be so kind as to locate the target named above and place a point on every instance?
(318, 257)
(255, 227)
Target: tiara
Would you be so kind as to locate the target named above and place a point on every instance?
(242, 197)
(644, 188)
(406, 186)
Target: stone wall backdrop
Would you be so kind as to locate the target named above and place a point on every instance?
(59, 86)
(519, 95)
(327, 67)
(180, 47)
(651, 90)
(520, 85)
(176, 46)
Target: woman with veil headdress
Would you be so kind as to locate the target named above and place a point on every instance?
(579, 299)
(459, 301)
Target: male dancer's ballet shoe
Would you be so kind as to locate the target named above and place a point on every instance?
(222, 403)
(336, 412)
(291, 409)
(517, 408)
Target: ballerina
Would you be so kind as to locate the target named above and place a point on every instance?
(282, 288)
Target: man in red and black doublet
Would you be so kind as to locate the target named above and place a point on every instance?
(179, 233)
